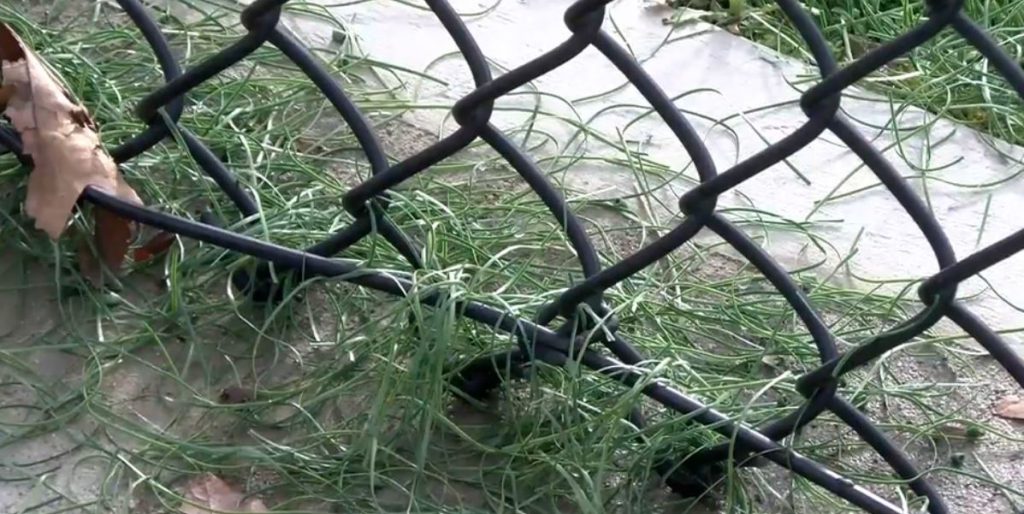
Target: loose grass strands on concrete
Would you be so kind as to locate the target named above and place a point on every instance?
(945, 76)
(335, 399)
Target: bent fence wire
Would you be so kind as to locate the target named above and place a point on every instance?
(584, 318)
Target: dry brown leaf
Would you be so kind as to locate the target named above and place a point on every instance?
(1010, 408)
(65, 148)
(112, 236)
(208, 494)
(156, 246)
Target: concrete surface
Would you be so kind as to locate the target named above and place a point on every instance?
(722, 76)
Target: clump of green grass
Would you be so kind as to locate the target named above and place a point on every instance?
(346, 408)
(945, 76)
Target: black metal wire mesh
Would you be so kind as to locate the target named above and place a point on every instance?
(584, 316)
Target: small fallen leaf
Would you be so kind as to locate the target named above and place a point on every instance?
(112, 237)
(1010, 408)
(155, 247)
(208, 494)
(66, 151)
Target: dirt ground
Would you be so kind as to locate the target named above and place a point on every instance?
(74, 459)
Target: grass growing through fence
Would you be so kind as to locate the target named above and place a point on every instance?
(334, 401)
(945, 76)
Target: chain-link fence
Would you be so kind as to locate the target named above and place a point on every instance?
(571, 326)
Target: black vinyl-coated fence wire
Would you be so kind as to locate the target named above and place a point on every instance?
(582, 305)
